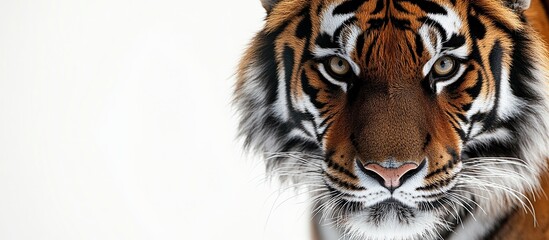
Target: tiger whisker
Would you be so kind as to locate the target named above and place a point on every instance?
(528, 207)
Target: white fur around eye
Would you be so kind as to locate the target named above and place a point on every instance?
(329, 77)
(439, 85)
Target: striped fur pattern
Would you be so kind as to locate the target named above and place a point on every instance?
(481, 134)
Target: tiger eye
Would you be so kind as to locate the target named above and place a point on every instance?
(444, 66)
(339, 66)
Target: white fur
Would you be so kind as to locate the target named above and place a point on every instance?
(440, 85)
(474, 228)
(330, 23)
(281, 106)
(509, 104)
(421, 227)
(451, 22)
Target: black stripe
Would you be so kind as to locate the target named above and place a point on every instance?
(325, 41)
(453, 120)
(377, 23)
(545, 5)
(349, 6)
(428, 6)
(401, 24)
(360, 44)
(448, 166)
(499, 224)
(460, 132)
(419, 46)
(278, 128)
(462, 117)
(304, 28)
(466, 107)
(437, 26)
(342, 194)
(306, 50)
(411, 50)
(399, 7)
(521, 76)
(476, 28)
(474, 91)
(496, 57)
(379, 6)
(266, 59)
(343, 183)
(479, 9)
(454, 87)
(456, 41)
(479, 117)
(348, 22)
(335, 166)
(370, 48)
(437, 184)
(311, 91)
(301, 145)
(323, 133)
(326, 118)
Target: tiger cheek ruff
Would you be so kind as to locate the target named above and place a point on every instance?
(423, 119)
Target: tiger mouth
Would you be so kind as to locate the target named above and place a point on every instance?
(386, 214)
(391, 208)
(352, 206)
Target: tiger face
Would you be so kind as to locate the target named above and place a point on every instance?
(401, 117)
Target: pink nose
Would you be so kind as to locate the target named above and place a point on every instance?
(392, 177)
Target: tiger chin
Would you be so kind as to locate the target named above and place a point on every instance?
(403, 119)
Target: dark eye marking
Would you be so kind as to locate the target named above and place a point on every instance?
(456, 41)
(477, 29)
(325, 41)
(304, 28)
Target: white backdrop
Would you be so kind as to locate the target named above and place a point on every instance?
(115, 123)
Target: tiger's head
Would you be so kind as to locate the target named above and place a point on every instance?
(402, 118)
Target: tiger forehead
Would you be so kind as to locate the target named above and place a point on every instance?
(383, 35)
(291, 9)
(364, 9)
(395, 20)
(390, 14)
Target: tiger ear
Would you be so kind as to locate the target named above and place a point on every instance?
(518, 5)
(269, 4)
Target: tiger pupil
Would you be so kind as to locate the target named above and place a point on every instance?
(443, 64)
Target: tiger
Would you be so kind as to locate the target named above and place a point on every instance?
(403, 119)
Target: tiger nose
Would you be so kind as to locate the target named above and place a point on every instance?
(391, 177)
